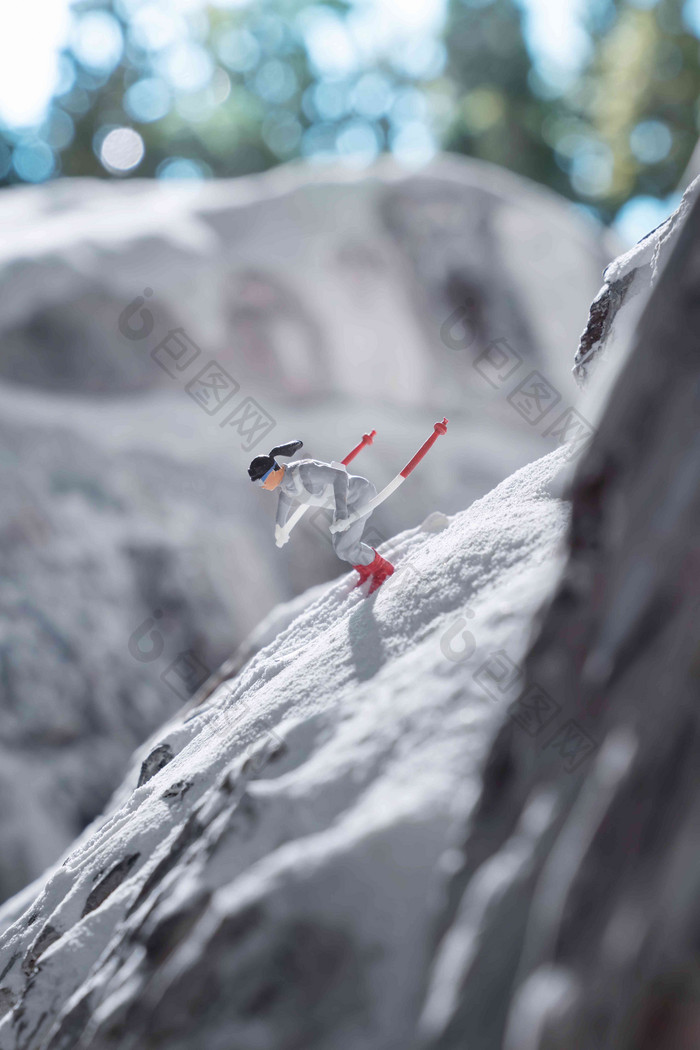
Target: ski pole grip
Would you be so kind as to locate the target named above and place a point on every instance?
(367, 439)
(438, 429)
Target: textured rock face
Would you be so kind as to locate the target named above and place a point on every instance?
(129, 534)
(629, 281)
(269, 873)
(574, 915)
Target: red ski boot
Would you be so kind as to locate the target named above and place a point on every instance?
(379, 570)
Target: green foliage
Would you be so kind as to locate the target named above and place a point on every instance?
(496, 114)
(638, 98)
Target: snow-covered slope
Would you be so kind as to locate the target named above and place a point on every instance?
(324, 295)
(272, 871)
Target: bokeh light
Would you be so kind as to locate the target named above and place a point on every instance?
(331, 48)
(147, 100)
(153, 26)
(592, 170)
(239, 50)
(651, 141)
(413, 144)
(372, 95)
(275, 81)
(326, 100)
(358, 143)
(182, 168)
(187, 66)
(122, 150)
(318, 142)
(643, 214)
(282, 133)
(97, 41)
(33, 161)
(58, 130)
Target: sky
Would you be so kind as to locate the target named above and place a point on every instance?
(32, 34)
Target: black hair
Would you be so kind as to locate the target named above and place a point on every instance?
(261, 464)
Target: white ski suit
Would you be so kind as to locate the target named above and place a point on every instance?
(329, 485)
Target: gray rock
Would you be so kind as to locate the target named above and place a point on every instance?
(629, 281)
(48, 936)
(574, 909)
(153, 763)
(109, 883)
(604, 310)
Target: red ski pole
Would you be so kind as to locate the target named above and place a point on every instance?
(367, 439)
(438, 429)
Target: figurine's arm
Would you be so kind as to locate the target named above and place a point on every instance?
(326, 474)
(314, 473)
(283, 508)
(340, 494)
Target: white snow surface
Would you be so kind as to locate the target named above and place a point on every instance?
(316, 792)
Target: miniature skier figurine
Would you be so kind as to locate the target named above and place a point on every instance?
(311, 482)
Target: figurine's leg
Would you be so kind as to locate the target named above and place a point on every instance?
(348, 545)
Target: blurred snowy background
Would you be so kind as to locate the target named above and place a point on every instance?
(173, 302)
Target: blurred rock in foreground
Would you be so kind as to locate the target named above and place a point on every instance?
(575, 913)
